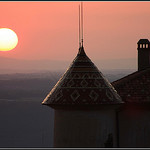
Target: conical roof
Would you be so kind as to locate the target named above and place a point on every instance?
(82, 84)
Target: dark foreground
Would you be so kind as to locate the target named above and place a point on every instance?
(25, 124)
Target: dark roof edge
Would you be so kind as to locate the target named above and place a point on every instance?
(88, 106)
(129, 77)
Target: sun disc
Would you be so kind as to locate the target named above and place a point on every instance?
(8, 39)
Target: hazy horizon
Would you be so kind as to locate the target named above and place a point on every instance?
(11, 65)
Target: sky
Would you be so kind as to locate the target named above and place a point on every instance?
(49, 30)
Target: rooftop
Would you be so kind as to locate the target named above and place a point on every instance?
(134, 87)
(82, 84)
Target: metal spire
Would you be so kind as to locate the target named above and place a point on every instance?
(79, 29)
(81, 25)
(82, 22)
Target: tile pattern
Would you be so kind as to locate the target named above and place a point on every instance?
(134, 87)
(82, 83)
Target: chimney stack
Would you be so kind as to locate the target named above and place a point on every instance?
(143, 54)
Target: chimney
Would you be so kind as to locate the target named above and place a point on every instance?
(143, 54)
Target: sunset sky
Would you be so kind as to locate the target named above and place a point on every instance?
(49, 30)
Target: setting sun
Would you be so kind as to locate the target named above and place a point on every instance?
(8, 39)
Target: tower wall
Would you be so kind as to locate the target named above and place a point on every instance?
(85, 128)
(84, 102)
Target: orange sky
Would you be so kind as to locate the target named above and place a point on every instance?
(49, 30)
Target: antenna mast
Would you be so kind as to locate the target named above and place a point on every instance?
(79, 29)
(81, 25)
(82, 21)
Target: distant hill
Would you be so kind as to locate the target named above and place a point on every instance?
(10, 65)
(38, 85)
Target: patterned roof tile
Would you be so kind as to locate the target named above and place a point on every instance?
(82, 84)
(134, 87)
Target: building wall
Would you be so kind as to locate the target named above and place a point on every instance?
(134, 128)
(88, 128)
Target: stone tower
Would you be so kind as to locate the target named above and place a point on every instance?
(143, 54)
(85, 106)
